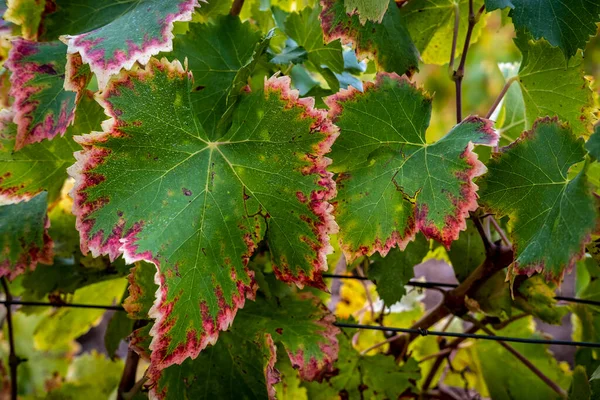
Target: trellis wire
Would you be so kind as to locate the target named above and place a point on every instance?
(429, 285)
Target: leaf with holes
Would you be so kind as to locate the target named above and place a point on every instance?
(43, 108)
(114, 45)
(391, 183)
(372, 10)
(551, 216)
(41, 166)
(388, 43)
(24, 239)
(155, 187)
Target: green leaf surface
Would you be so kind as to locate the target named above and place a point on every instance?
(567, 24)
(242, 362)
(536, 297)
(142, 290)
(294, 55)
(388, 43)
(431, 25)
(43, 108)
(580, 387)
(551, 216)
(392, 272)
(491, 5)
(67, 324)
(130, 32)
(215, 54)
(42, 166)
(593, 143)
(91, 376)
(391, 183)
(365, 377)
(198, 207)
(24, 239)
(552, 87)
(507, 378)
(27, 14)
(372, 10)
(119, 327)
(304, 28)
(467, 252)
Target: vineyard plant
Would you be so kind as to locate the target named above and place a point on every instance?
(299, 199)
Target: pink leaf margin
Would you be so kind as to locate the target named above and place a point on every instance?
(119, 242)
(319, 201)
(104, 70)
(22, 72)
(455, 222)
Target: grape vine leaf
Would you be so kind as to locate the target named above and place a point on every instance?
(113, 46)
(365, 377)
(43, 108)
(215, 53)
(551, 216)
(242, 363)
(391, 183)
(467, 252)
(303, 27)
(388, 43)
(41, 166)
(536, 297)
(67, 324)
(392, 272)
(198, 209)
(580, 386)
(564, 24)
(593, 143)
(549, 90)
(372, 10)
(431, 25)
(119, 327)
(27, 14)
(507, 378)
(142, 290)
(24, 239)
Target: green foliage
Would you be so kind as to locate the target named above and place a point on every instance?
(273, 141)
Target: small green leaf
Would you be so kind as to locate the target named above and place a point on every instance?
(565, 24)
(551, 216)
(391, 182)
(593, 144)
(294, 55)
(392, 272)
(43, 108)
(388, 43)
(114, 45)
(24, 240)
(536, 297)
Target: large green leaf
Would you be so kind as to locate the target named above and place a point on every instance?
(24, 239)
(391, 183)
(42, 166)
(567, 24)
(43, 108)
(548, 86)
(129, 33)
(388, 43)
(155, 187)
(551, 216)
(431, 25)
(242, 363)
(215, 53)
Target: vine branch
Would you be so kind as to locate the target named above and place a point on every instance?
(128, 381)
(13, 359)
(501, 96)
(236, 7)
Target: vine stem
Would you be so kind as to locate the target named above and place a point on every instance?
(551, 384)
(128, 382)
(500, 231)
(13, 359)
(501, 96)
(460, 72)
(236, 7)
(454, 38)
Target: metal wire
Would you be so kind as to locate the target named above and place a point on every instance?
(425, 332)
(428, 285)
